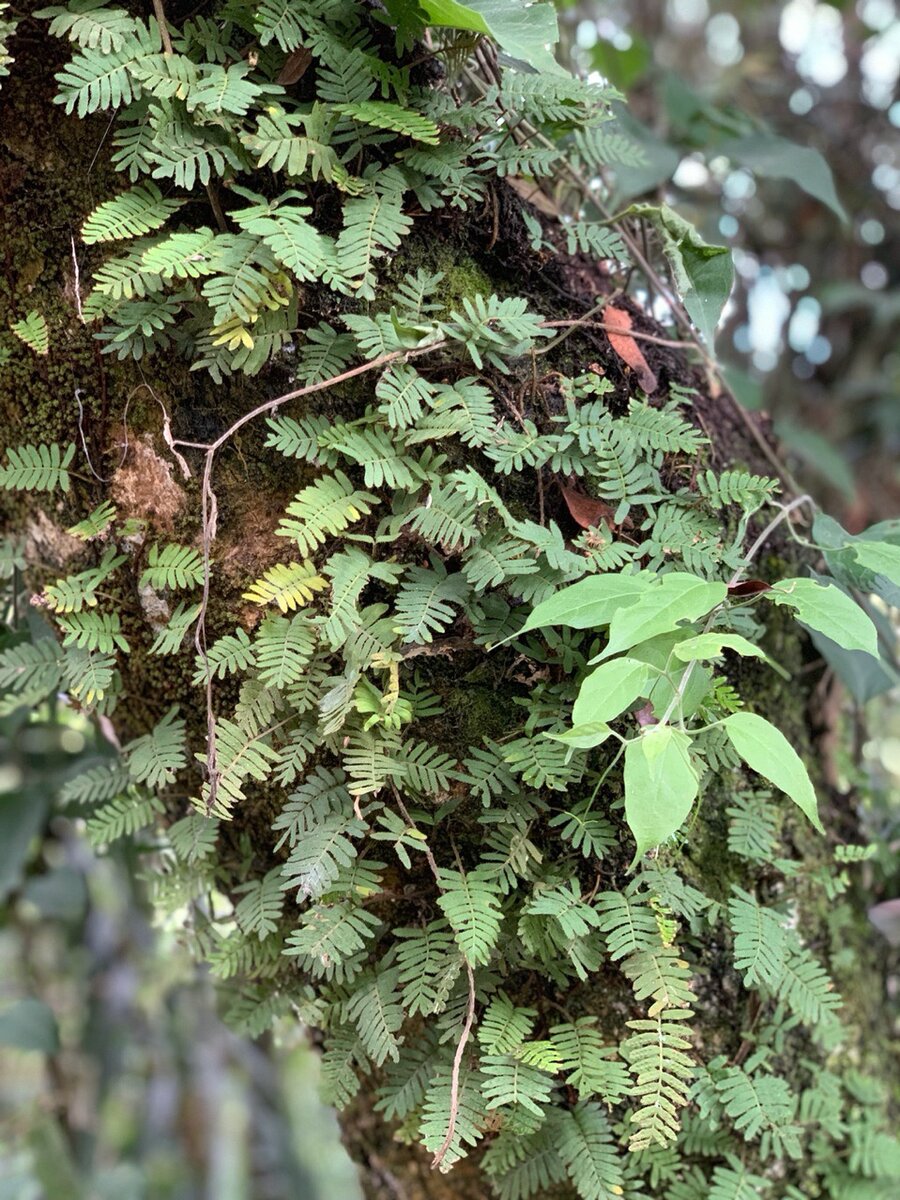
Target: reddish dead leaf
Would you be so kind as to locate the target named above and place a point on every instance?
(627, 348)
(747, 587)
(584, 510)
(295, 67)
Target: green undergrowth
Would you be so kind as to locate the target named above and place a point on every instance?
(480, 709)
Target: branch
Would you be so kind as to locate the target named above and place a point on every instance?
(454, 1074)
(163, 26)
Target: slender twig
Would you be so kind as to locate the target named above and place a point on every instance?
(163, 26)
(455, 1072)
(404, 812)
(372, 365)
(587, 323)
(216, 205)
(77, 281)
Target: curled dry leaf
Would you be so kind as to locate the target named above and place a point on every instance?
(627, 348)
(295, 67)
(748, 587)
(585, 510)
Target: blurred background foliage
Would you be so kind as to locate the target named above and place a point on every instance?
(714, 89)
(118, 1081)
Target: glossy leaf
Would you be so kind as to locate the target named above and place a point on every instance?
(830, 611)
(661, 785)
(610, 689)
(767, 751)
(590, 602)
(672, 599)
(703, 273)
(525, 31)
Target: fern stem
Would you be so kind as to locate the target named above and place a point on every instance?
(163, 26)
(454, 1074)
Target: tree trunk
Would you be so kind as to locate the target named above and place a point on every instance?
(54, 170)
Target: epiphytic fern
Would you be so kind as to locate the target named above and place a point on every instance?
(37, 468)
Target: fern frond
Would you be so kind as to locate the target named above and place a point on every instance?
(76, 592)
(585, 1143)
(238, 755)
(404, 396)
(375, 1011)
(509, 1082)
(228, 654)
(429, 965)
(33, 331)
(156, 758)
(383, 460)
(424, 599)
(31, 671)
(329, 934)
(290, 586)
(324, 509)
(259, 910)
(586, 831)
(97, 79)
(470, 1115)
(382, 115)
(747, 491)
(471, 905)
(760, 945)
(93, 631)
(658, 1054)
(95, 524)
(89, 24)
(121, 818)
(494, 329)
(283, 646)
(41, 468)
(374, 225)
(130, 214)
(587, 1062)
(170, 637)
(295, 243)
(173, 567)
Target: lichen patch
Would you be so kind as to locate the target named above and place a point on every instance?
(143, 486)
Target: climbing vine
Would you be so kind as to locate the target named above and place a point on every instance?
(503, 934)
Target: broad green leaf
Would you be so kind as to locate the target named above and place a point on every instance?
(768, 752)
(525, 31)
(583, 737)
(610, 689)
(29, 1025)
(659, 653)
(590, 602)
(672, 599)
(829, 610)
(661, 785)
(880, 557)
(848, 568)
(711, 645)
(703, 273)
(780, 158)
(863, 676)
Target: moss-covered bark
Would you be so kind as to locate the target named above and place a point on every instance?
(52, 171)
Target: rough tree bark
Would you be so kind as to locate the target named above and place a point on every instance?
(53, 170)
